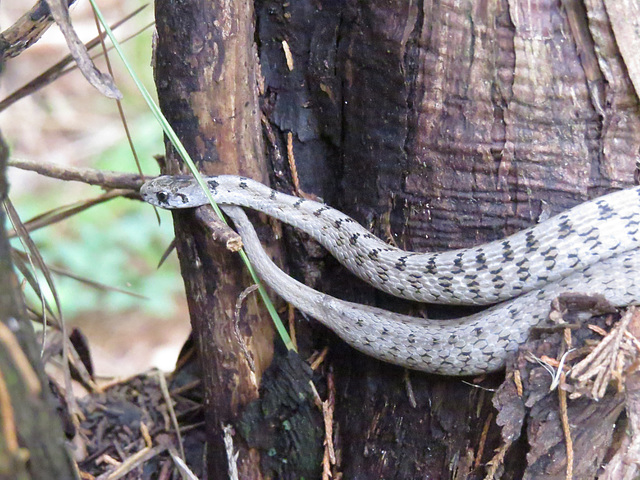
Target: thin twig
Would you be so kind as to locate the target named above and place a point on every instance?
(483, 440)
(26, 31)
(59, 69)
(10, 345)
(564, 417)
(294, 171)
(219, 231)
(292, 325)
(328, 407)
(137, 459)
(59, 214)
(91, 176)
(172, 413)
(9, 432)
(517, 379)
(318, 359)
(608, 359)
(409, 388)
(496, 461)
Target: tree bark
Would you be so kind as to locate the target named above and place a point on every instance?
(437, 125)
(445, 125)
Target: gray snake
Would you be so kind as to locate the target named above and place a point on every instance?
(576, 251)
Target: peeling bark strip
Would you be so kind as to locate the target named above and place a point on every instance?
(625, 24)
(101, 81)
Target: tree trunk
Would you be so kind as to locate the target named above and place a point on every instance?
(32, 442)
(205, 68)
(437, 125)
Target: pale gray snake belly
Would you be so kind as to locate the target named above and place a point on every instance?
(590, 249)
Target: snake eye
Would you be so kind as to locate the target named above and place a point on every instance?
(162, 197)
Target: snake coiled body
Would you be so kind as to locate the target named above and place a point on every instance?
(576, 251)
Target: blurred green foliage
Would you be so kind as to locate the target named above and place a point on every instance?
(117, 243)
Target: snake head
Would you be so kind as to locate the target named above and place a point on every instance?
(171, 192)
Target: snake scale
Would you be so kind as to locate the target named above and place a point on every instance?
(590, 249)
